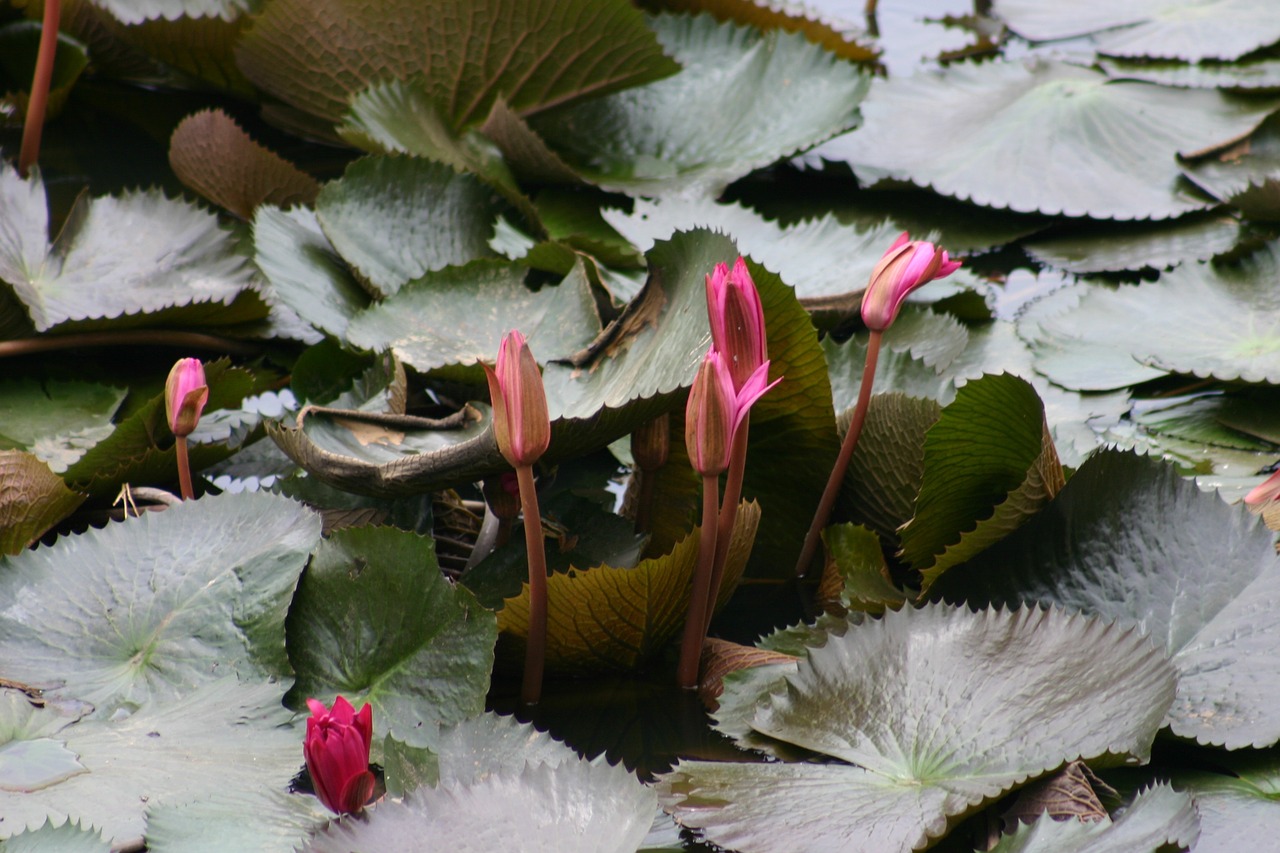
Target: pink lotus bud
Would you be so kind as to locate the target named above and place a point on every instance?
(520, 420)
(185, 393)
(336, 748)
(737, 320)
(1264, 493)
(906, 266)
(714, 412)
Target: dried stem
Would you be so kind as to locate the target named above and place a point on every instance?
(829, 494)
(694, 626)
(38, 103)
(133, 337)
(536, 645)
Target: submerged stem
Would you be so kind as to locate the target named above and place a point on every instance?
(184, 469)
(695, 622)
(829, 494)
(38, 103)
(536, 645)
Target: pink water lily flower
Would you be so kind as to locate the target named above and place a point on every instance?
(737, 320)
(520, 420)
(715, 411)
(1264, 493)
(185, 394)
(336, 748)
(907, 265)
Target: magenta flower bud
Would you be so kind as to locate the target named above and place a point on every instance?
(1264, 493)
(185, 394)
(714, 412)
(737, 320)
(906, 266)
(520, 420)
(336, 748)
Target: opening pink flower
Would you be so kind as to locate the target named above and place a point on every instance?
(185, 394)
(906, 266)
(336, 748)
(520, 420)
(1264, 493)
(714, 411)
(737, 320)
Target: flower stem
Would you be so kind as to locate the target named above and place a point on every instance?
(536, 645)
(184, 469)
(829, 494)
(40, 82)
(695, 623)
(728, 514)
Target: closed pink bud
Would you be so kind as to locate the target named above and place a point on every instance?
(714, 412)
(737, 320)
(520, 420)
(185, 394)
(906, 266)
(1263, 494)
(336, 749)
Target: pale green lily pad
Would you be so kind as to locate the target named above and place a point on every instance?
(1247, 75)
(223, 735)
(1195, 418)
(1135, 246)
(1235, 811)
(936, 711)
(137, 11)
(1162, 29)
(458, 316)
(393, 218)
(1214, 320)
(137, 259)
(1128, 539)
(57, 420)
(305, 271)
(1228, 171)
(859, 563)
(375, 621)
(611, 813)
(470, 52)
(146, 610)
(743, 100)
(1041, 136)
(54, 837)
(1158, 818)
(237, 819)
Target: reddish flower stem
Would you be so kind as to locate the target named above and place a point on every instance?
(38, 103)
(184, 469)
(829, 494)
(728, 514)
(694, 625)
(536, 646)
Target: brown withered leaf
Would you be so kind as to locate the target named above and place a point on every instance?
(33, 500)
(721, 657)
(1072, 792)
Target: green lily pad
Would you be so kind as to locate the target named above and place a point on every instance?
(458, 316)
(1246, 75)
(34, 500)
(607, 619)
(57, 420)
(1195, 418)
(469, 52)
(53, 837)
(1119, 246)
(859, 564)
(19, 49)
(375, 621)
(1157, 819)
(611, 813)
(176, 265)
(223, 735)
(930, 713)
(1129, 540)
(989, 465)
(146, 610)
(743, 100)
(1067, 140)
(1163, 29)
(236, 819)
(1216, 320)
(1229, 170)
(393, 218)
(137, 11)
(1238, 810)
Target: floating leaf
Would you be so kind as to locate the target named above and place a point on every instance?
(374, 620)
(606, 619)
(1067, 140)
(837, 33)
(315, 55)
(1228, 170)
(1214, 320)
(394, 218)
(743, 100)
(117, 258)
(1160, 29)
(937, 711)
(1158, 817)
(19, 47)
(136, 11)
(1235, 811)
(57, 420)
(51, 837)
(236, 819)
(213, 156)
(34, 499)
(1129, 540)
(989, 465)
(857, 566)
(441, 319)
(1123, 246)
(146, 610)
(1247, 74)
